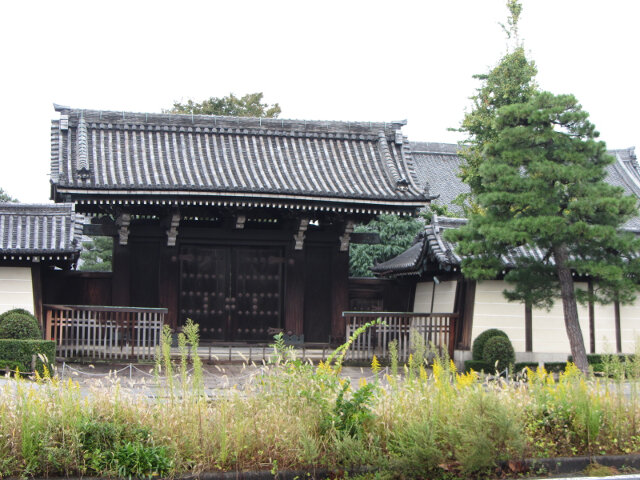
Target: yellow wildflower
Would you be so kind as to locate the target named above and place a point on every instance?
(375, 365)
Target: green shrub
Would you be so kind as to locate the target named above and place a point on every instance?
(499, 352)
(519, 366)
(556, 367)
(480, 341)
(20, 326)
(21, 311)
(478, 366)
(22, 351)
(10, 366)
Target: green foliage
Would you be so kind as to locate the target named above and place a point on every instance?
(120, 449)
(543, 187)
(434, 208)
(350, 415)
(249, 105)
(477, 349)
(97, 255)
(6, 198)
(21, 311)
(19, 326)
(478, 366)
(22, 351)
(396, 235)
(511, 81)
(488, 433)
(415, 452)
(499, 352)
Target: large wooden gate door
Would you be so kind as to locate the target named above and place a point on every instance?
(204, 290)
(233, 293)
(257, 292)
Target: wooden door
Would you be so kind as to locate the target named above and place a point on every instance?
(317, 294)
(257, 292)
(233, 293)
(204, 290)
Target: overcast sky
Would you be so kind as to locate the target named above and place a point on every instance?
(327, 60)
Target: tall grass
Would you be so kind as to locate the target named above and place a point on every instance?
(432, 422)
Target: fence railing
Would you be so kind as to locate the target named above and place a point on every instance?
(436, 329)
(104, 332)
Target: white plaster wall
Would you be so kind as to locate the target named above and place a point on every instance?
(16, 289)
(605, 328)
(492, 310)
(445, 297)
(629, 326)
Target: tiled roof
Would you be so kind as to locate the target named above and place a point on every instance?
(107, 154)
(437, 167)
(429, 244)
(35, 230)
(432, 244)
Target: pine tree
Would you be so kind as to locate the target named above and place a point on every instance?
(511, 81)
(96, 255)
(542, 175)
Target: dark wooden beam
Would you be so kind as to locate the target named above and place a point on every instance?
(365, 238)
(100, 230)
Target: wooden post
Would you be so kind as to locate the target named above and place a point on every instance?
(339, 293)
(528, 328)
(592, 320)
(616, 306)
(36, 281)
(169, 273)
(121, 274)
(294, 292)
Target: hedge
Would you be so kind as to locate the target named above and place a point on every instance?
(599, 358)
(22, 351)
(478, 366)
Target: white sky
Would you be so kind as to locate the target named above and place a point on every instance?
(329, 60)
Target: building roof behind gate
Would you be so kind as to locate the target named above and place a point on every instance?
(39, 231)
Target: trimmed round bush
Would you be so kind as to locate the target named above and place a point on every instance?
(499, 349)
(18, 326)
(21, 311)
(477, 350)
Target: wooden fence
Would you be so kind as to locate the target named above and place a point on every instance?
(437, 329)
(93, 332)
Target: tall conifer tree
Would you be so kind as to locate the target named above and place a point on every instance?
(539, 182)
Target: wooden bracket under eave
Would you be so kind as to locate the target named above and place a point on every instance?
(172, 231)
(123, 221)
(240, 221)
(299, 237)
(346, 236)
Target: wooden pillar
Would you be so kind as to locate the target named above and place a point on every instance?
(616, 307)
(466, 315)
(294, 291)
(121, 274)
(528, 327)
(36, 282)
(592, 320)
(169, 284)
(339, 294)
